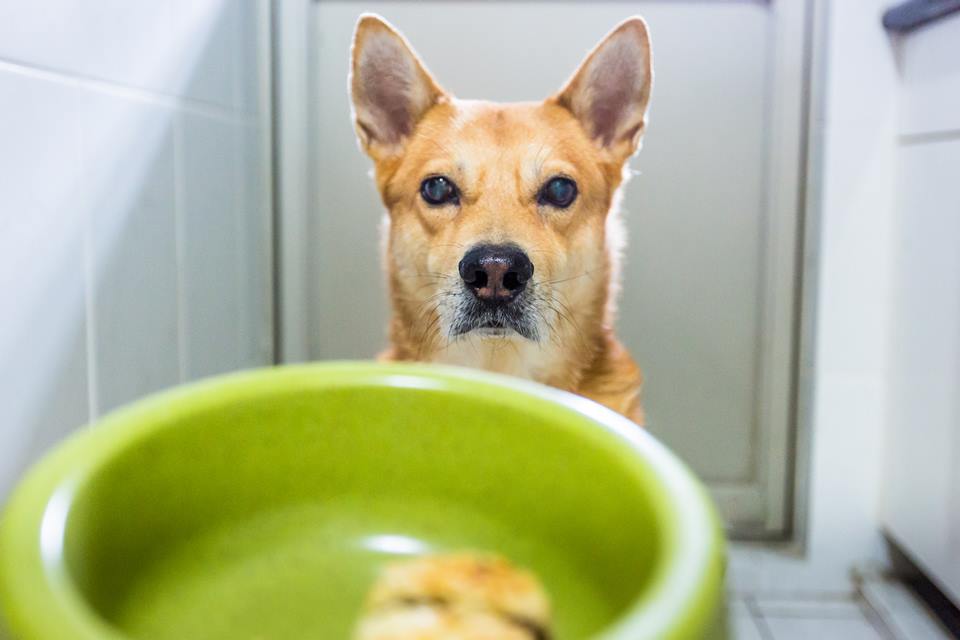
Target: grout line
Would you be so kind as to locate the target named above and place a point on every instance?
(759, 620)
(806, 597)
(179, 230)
(911, 139)
(89, 276)
(236, 164)
(277, 272)
(183, 103)
(875, 618)
(88, 271)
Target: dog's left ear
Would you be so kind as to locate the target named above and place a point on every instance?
(610, 92)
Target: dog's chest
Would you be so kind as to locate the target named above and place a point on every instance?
(512, 356)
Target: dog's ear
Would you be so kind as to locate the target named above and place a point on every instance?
(390, 88)
(610, 91)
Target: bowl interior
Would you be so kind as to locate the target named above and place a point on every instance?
(267, 513)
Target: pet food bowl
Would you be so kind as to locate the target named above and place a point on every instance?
(261, 505)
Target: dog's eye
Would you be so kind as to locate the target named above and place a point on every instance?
(439, 190)
(558, 192)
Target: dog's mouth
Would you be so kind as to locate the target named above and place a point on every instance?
(495, 321)
(494, 329)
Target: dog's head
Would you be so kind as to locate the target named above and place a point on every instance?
(498, 213)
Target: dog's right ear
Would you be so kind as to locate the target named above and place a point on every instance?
(390, 88)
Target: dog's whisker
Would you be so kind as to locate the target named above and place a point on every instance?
(568, 316)
(587, 273)
(423, 336)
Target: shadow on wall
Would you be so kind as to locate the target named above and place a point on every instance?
(134, 211)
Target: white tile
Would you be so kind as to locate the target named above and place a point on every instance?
(252, 46)
(129, 183)
(904, 614)
(131, 43)
(793, 595)
(222, 48)
(201, 49)
(43, 359)
(256, 250)
(215, 288)
(821, 629)
(744, 566)
(211, 71)
(742, 624)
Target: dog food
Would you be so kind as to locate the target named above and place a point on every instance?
(455, 597)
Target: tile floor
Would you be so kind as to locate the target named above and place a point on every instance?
(877, 608)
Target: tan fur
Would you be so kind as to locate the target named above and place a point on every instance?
(499, 155)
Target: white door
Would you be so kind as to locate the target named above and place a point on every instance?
(709, 285)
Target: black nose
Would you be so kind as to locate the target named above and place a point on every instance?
(496, 273)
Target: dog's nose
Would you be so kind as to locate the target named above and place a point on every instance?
(496, 273)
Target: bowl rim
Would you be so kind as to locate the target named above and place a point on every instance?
(39, 601)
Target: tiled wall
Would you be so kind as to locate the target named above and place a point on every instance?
(134, 206)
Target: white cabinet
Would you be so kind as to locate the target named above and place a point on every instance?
(921, 493)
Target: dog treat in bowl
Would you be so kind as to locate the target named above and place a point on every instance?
(460, 596)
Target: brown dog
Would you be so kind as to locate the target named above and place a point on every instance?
(503, 235)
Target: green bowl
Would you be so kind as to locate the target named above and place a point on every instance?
(260, 505)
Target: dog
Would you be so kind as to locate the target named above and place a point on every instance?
(502, 238)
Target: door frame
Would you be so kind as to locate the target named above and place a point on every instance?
(783, 263)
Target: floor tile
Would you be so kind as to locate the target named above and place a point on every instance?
(743, 625)
(775, 570)
(775, 596)
(904, 614)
